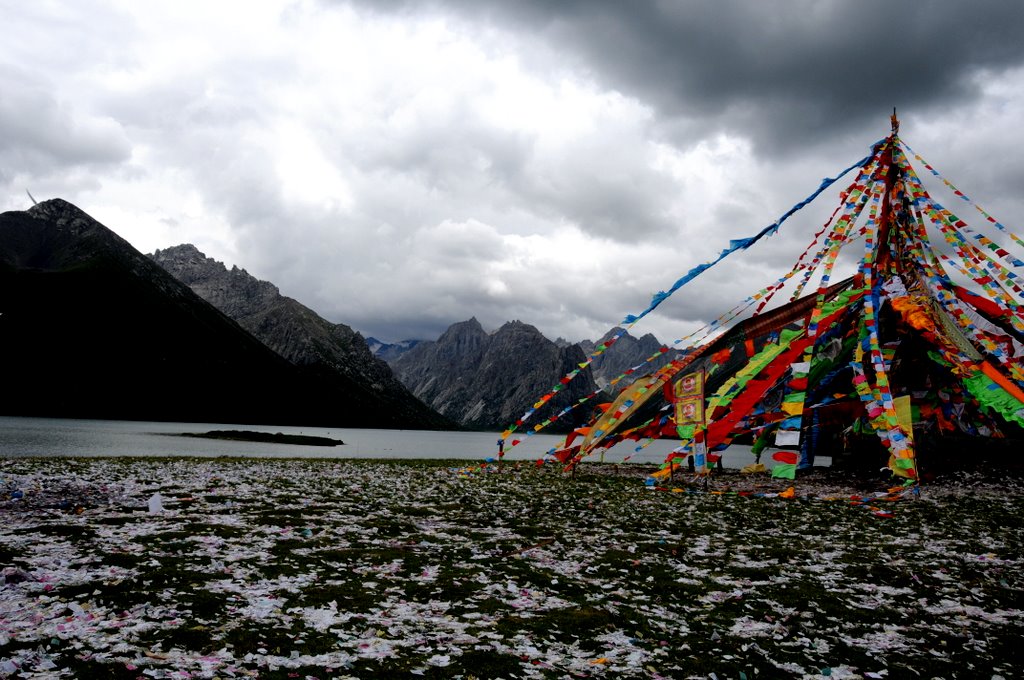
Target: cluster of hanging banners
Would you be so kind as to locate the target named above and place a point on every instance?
(899, 347)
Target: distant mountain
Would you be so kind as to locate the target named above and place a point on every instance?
(92, 328)
(296, 332)
(390, 352)
(625, 353)
(487, 381)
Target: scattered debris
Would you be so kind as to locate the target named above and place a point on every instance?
(327, 568)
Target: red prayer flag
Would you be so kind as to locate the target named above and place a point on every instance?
(785, 457)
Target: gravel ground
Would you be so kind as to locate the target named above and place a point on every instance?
(203, 568)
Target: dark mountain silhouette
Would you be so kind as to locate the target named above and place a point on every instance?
(90, 327)
(294, 331)
(487, 381)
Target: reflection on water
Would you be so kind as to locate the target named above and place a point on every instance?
(61, 437)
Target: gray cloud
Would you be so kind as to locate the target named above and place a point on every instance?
(39, 133)
(402, 166)
(785, 74)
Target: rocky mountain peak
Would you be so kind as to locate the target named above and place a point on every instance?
(463, 342)
(517, 326)
(294, 331)
(487, 381)
(56, 236)
(70, 238)
(470, 327)
(234, 291)
(93, 328)
(627, 352)
(69, 219)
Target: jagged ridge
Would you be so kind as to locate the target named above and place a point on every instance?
(627, 352)
(90, 327)
(487, 381)
(293, 330)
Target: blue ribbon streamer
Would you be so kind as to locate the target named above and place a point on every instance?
(744, 243)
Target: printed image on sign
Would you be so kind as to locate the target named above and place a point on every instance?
(690, 410)
(691, 385)
(689, 398)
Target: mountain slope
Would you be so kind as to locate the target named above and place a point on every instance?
(294, 331)
(388, 351)
(627, 352)
(488, 381)
(90, 327)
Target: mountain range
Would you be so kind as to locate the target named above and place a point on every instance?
(90, 327)
(295, 332)
(488, 380)
(390, 351)
(626, 353)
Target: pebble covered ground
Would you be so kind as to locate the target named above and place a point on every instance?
(368, 569)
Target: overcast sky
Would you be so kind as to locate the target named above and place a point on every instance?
(400, 166)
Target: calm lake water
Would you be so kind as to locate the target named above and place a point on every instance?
(62, 437)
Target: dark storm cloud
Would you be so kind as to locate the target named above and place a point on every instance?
(785, 74)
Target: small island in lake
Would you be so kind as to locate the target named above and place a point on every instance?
(267, 437)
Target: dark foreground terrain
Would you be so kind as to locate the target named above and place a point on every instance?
(321, 569)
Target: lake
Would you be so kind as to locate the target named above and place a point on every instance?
(49, 437)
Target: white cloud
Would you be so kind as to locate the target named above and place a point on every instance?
(400, 170)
